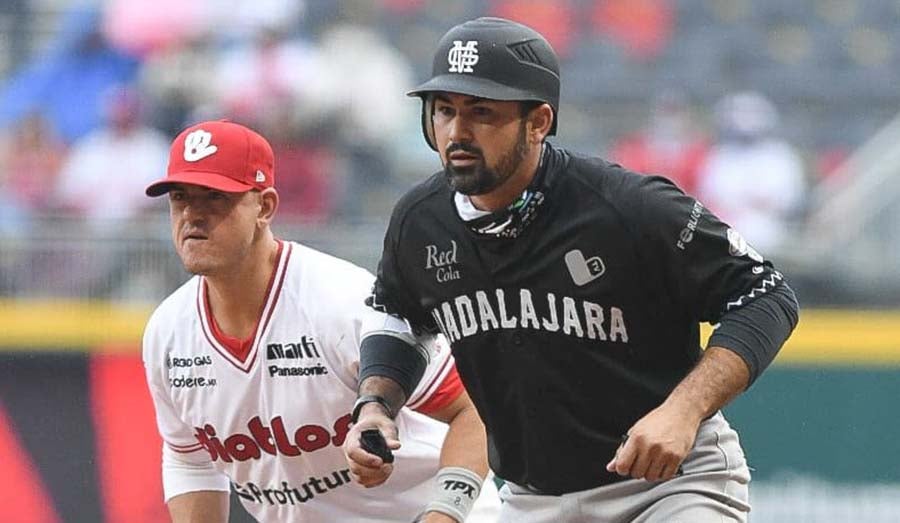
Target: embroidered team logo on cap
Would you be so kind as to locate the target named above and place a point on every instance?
(197, 145)
(462, 57)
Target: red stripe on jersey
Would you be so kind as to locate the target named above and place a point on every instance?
(425, 392)
(190, 447)
(23, 496)
(236, 348)
(128, 442)
(184, 451)
(271, 311)
(448, 390)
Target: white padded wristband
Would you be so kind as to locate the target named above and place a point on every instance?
(457, 490)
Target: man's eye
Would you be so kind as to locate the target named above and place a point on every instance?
(481, 110)
(176, 196)
(444, 111)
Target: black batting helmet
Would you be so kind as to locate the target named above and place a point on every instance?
(492, 58)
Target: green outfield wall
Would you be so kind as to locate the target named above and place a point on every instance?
(835, 423)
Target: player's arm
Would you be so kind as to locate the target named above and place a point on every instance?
(392, 364)
(391, 369)
(193, 490)
(741, 347)
(463, 462)
(199, 507)
(465, 445)
(760, 312)
(391, 360)
(658, 443)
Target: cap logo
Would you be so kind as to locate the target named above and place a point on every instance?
(260, 177)
(197, 147)
(462, 57)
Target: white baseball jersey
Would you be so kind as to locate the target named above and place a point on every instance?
(269, 414)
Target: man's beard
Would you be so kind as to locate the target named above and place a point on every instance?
(480, 179)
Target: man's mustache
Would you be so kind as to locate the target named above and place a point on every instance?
(466, 148)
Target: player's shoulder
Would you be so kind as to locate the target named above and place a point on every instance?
(327, 291)
(614, 183)
(603, 175)
(318, 267)
(427, 194)
(318, 277)
(171, 314)
(182, 301)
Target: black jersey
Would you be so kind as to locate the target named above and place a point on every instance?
(567, 335)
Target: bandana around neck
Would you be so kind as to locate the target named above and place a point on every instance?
(508, 222)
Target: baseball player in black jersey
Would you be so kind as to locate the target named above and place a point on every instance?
(571, 291)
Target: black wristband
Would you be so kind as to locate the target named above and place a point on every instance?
(362, 400)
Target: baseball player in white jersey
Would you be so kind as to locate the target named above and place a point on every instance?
(253, 363)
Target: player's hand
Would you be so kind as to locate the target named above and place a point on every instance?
(368, 469)
(655, 446)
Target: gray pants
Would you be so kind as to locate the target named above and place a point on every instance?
(713, 489)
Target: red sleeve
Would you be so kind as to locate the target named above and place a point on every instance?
(448, 390)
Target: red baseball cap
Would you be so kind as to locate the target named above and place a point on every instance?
(220, 155)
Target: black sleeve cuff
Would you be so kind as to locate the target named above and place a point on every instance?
(757, 331)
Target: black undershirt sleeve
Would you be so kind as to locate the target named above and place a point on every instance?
(393, 357)
(756, 331)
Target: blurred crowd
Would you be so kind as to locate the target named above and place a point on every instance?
(86, 124)
(86, 118)
(751, 177)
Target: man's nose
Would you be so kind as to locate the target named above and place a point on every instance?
(460, 131)
(194, 211)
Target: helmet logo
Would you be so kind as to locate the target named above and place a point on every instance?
(462, 57)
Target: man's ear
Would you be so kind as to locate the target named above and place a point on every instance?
(540, 121)
(268, 204)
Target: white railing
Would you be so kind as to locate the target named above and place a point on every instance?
(854, 226)
(135, 261)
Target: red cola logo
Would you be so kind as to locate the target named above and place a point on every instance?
(273, 439)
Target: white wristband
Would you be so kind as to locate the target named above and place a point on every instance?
(457, 490)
